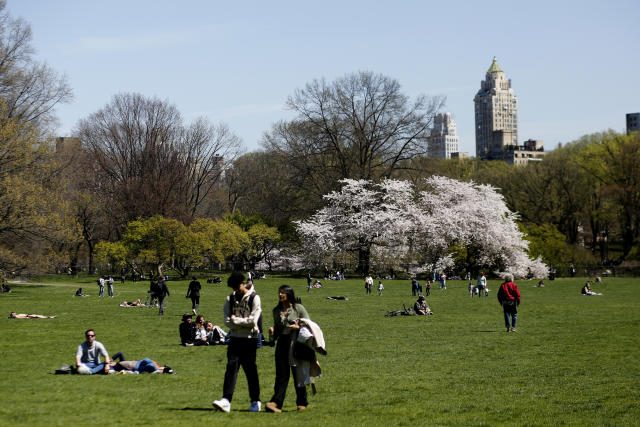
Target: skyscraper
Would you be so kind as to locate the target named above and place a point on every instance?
(444, 138)
(496, 108)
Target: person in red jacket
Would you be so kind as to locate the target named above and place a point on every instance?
(509, 298)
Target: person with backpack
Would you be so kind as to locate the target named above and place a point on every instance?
(242, 311)
(286, 316)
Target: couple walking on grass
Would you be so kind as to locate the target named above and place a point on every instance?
(243, 316)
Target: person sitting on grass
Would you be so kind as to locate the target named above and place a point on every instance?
(80, 294)
(215, 334)
(586, 290)
(200, 332)
(187, 330)
(421, 308)
(88, 356)
(14, 315)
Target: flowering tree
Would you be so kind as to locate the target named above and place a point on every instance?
(419, 229)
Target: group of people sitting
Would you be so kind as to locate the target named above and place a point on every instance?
(201, 332)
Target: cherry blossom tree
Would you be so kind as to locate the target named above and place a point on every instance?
(392, 220)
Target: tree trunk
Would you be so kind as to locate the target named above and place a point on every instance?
(364, 257)
(92, 267)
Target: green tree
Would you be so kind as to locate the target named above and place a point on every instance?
(152, 242)
(614, 160)
(34, 220)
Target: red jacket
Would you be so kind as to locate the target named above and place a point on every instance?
(509, 292)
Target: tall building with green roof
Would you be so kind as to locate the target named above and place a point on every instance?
(496, 115)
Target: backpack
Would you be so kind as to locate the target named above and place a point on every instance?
(259, 323)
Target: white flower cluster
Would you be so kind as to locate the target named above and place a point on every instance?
(392, 219)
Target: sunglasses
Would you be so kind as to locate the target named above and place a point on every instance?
(90, 336)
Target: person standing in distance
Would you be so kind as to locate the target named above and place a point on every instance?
(481, 284)
(509, 298)
(242, 312)
(194, 293)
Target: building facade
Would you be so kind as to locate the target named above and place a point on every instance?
(444, 138)
(532, 150)
(496, 115)
(633, 122)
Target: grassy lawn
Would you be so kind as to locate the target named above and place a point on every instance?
(575, 360)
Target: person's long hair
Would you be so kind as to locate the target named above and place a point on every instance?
(291, 296)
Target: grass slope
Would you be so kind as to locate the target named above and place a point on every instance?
(574, 361)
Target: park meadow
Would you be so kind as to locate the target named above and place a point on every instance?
(573, 361)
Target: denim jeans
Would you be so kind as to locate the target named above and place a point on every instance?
(101, 291)
(510, 311)
(146, 365)
(94, 367)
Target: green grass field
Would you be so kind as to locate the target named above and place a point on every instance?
(575, 360)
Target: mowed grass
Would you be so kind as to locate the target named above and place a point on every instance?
(575, 359)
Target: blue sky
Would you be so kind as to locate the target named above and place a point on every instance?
(574, 65)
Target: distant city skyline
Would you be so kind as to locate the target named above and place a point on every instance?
(573, 64)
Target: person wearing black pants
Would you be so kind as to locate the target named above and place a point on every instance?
(241, 352)
(242, 312)
(285, 317)
(194, 293)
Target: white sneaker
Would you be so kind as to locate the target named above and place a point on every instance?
(255, 406)
(222, 405)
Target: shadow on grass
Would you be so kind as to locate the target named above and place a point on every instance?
(208, 410)
(193, 409)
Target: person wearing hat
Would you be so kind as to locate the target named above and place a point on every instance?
(420, 307)
(187, 330)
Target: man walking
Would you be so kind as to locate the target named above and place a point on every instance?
(509, 298)
(194, 293)
(163, 291)
(242, 312)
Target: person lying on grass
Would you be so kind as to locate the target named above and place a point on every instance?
(135, 303)
(145, 365)
(14, 315)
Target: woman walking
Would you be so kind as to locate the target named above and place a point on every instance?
(285, 318)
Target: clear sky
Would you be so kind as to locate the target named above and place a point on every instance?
(574, 65)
